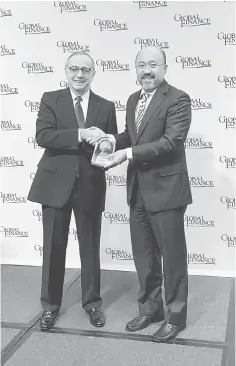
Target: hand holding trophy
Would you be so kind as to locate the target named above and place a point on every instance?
(103, 152)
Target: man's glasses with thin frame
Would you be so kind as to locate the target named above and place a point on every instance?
(74, 70)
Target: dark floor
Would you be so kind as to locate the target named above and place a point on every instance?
(208, 339)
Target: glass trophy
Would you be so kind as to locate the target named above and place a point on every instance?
(104, 147)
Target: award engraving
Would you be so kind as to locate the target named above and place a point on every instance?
(104, 147)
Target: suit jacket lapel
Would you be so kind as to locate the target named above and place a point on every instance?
(131, 117)
(66, 108)
(157, 99)
(93, 107)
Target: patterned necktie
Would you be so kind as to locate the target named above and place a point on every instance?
(79, 112)
(141, 110)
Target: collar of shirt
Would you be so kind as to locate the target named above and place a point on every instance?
(85, 96)
(149, 93)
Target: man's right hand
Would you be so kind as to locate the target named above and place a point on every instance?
(91, 134)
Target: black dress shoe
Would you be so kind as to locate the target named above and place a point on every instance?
(48, 319)
(167, 332)
(97, 318)
(142, 322)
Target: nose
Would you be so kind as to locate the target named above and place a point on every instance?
(146, 69)
(79, 73)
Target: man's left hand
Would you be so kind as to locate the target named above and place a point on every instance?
(117, 158)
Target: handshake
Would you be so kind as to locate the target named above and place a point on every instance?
(91, 135)
(103, 155)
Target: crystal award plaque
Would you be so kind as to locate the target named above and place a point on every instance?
(104, 147)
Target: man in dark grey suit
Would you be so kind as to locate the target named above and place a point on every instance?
(65, 180)
(158, 119)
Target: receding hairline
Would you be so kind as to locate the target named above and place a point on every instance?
(153, 48)
(79, 53)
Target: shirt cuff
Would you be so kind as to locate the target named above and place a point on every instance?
(129, 153)
(79, 139)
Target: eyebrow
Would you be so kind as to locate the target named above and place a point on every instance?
(140, 62)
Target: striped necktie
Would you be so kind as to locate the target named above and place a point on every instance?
(141, 110)
(79, 112)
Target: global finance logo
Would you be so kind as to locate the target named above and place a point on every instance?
(119, 254)
(114, 65)
(230, 202)
(229, 122)
(110, 25)
(39, 248)
(9, 126)
(200, 182)
(10, 162)
(5, 51)
(36, 67)
(5, 89)
(33, 106)
(116, 217)
(70, 6)
(192, 20)
(5, 13)
(229, 39)
(33, 142)
(115, 180)
(119, 106)
(34, 28)
(200, 258)
(154, 42)
(63, 84)
(13, 232)
(197, 221)
(37, 214)
(150, 4)
(73, 233)
(72, 46)
(230, 240)
(198, 104)
(229, 82)
(188, 62)
(7, 197)
(197, 143)
(229, 162)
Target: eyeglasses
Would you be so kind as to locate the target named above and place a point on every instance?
(152, 66)
(74, 70)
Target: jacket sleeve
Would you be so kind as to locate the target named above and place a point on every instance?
(178, 122)
(47, 135)
(112, 124)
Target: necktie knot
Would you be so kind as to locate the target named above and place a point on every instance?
(78, 99)
(144, 97)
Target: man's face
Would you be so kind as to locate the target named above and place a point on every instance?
(79, 80)
(150, 69)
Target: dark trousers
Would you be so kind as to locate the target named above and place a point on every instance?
(55, 236)
(157, 235)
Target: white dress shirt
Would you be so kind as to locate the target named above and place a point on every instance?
(84, 104)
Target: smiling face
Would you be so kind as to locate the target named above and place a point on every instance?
(79, 72)
(150, 68)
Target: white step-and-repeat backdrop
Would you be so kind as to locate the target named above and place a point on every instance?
(199, 40)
